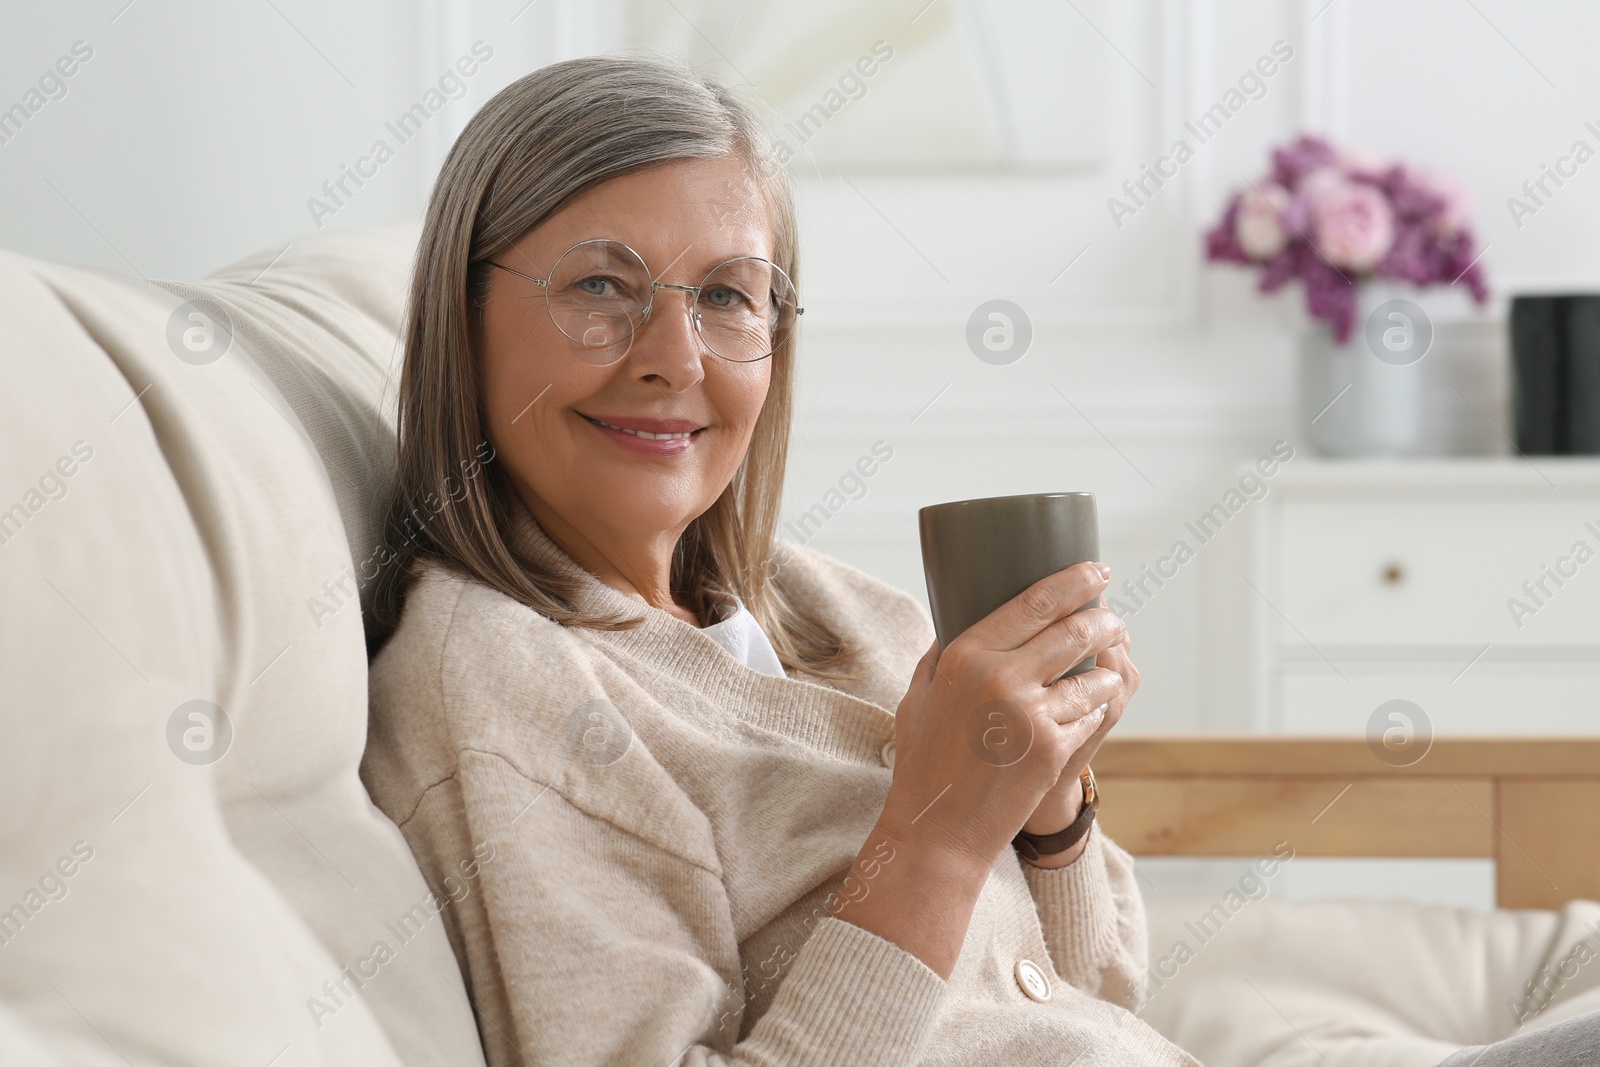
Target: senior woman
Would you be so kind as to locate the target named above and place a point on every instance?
(719, 799)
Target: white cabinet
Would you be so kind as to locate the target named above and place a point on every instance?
(1470, 587)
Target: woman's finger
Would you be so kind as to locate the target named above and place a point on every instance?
(1052, 598)
(1082, 635)
(1117, 659)
(1082, 694)
(1079, 731)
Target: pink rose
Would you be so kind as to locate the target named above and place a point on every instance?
(1259, 225)
(1354, 226)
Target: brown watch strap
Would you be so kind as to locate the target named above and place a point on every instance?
(1033, 846)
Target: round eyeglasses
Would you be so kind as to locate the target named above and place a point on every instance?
(600, 292)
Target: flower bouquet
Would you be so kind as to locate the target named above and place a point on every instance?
(1334, 219)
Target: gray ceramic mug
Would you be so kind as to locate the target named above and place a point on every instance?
(978, 554)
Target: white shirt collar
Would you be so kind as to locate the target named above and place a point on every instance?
(744, 640)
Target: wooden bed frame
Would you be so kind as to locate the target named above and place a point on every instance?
(1530, 804)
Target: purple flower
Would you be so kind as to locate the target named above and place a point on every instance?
(1221, 243)
(1333, 218)
(1331, 296)
(1307, 154)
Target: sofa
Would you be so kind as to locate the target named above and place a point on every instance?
(191, 872)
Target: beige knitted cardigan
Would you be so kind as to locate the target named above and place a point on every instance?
(633, 838)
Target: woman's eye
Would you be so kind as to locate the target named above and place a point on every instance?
(722, 296)
(595, 286)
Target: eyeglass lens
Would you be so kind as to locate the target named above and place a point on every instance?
(599, 290)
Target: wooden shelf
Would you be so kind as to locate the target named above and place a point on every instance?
(1530, 804)
(1349, 757)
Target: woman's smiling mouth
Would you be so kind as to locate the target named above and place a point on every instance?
(653, 437)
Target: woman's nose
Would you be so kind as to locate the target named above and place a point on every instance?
(667, 342)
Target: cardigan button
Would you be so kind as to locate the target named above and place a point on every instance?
(887, 754)
(1033, 981)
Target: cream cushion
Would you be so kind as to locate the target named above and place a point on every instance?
(1362, 983)
(167, 549)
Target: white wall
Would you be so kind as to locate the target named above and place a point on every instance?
(197, 133)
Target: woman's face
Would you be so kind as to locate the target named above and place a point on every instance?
(543, 400)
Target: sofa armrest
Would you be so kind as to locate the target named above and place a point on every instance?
(1530, 804)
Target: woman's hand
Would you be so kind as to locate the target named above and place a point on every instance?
(1063, 801)
(981, 736)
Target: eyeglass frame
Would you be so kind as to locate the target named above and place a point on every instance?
(650, 302)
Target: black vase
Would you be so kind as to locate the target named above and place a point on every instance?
(1555, 355)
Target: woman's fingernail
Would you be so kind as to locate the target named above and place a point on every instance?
(1101, 708)
(1104, 569)
(1116, 677)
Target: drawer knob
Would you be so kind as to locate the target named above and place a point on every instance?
(1393, 574)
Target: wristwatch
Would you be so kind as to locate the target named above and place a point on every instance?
(1032, 846)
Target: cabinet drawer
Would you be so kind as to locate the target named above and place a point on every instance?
(1525, 699)
(1370, 572)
